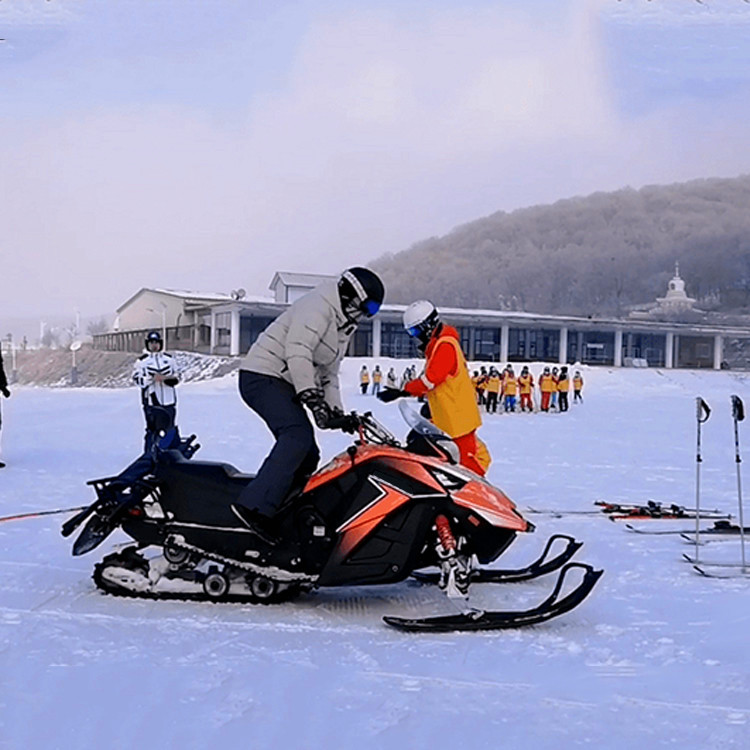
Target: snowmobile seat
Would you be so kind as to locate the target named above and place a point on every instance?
(217, 472)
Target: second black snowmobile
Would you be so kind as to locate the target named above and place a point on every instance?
(376, 514)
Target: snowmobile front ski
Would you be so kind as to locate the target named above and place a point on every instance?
(474, 620)
(541, 566)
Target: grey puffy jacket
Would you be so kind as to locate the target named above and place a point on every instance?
(305, 345)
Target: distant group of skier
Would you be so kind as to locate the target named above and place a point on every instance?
(493, 388)
(392, 380)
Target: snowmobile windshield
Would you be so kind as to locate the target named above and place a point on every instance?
(418, 423)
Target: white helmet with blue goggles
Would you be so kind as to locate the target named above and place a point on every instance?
(420, 319)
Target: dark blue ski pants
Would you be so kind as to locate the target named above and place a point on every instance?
(159, 419)
(295, 455)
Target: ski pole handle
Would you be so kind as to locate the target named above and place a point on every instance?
(702, 408)
(738, 409)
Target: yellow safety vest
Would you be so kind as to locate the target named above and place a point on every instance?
(453, 403)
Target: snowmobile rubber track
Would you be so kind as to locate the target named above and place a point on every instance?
(286, 577)
(110, 588)
(539, 567)
(478, 620)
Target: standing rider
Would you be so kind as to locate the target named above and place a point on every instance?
(294, 363)
(156, 374)
(445, 381)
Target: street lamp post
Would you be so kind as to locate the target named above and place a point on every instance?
(163, 321)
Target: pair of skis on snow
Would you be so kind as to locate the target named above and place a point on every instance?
(636, 511)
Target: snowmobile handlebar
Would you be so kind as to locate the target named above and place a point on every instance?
(372, 431)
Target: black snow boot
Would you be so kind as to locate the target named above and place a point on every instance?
(260, 525)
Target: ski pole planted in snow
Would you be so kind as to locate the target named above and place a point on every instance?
(702, 413)
(738, 414)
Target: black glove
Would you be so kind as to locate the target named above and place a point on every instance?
(391, 394)
(314, 400)
(6, 393)
(171, 381)
(344, 422)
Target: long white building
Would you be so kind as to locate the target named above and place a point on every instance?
(228, 324)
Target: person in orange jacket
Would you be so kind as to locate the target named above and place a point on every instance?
(492, 390)
(563, 386)
(577, 387)
(525, 387)
(445, 382)
(547, 386)
(364, 379)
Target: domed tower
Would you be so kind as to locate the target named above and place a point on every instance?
(676, 299)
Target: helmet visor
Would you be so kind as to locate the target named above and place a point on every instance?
(414, 331)
(370, 307)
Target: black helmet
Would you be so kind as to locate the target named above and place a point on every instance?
(361, 292)
(152, 336)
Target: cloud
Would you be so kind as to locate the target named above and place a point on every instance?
(388, 126)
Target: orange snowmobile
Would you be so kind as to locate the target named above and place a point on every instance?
(376, 514)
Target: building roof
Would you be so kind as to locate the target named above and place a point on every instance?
(289, 278)
(191, 297)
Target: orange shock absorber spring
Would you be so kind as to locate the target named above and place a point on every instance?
(445, 534)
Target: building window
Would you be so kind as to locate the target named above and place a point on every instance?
(695, 351)
(591, 347)
(486, 344)
(395, 342)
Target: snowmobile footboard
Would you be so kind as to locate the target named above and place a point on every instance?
(474, 620)
(541, 566)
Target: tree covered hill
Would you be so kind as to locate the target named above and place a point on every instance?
(598, 254)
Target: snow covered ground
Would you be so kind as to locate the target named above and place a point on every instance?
(657, 657)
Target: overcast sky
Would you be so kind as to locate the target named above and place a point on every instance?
(204, 144)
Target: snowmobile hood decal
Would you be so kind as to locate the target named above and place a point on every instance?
(361, 523)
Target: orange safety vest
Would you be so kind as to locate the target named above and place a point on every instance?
(364, 376)
(509, 385)
(525, 382)
(377, 376)
(577, 383)
(547, 384)
(563, 384)
(493, 384)
(453, 403)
